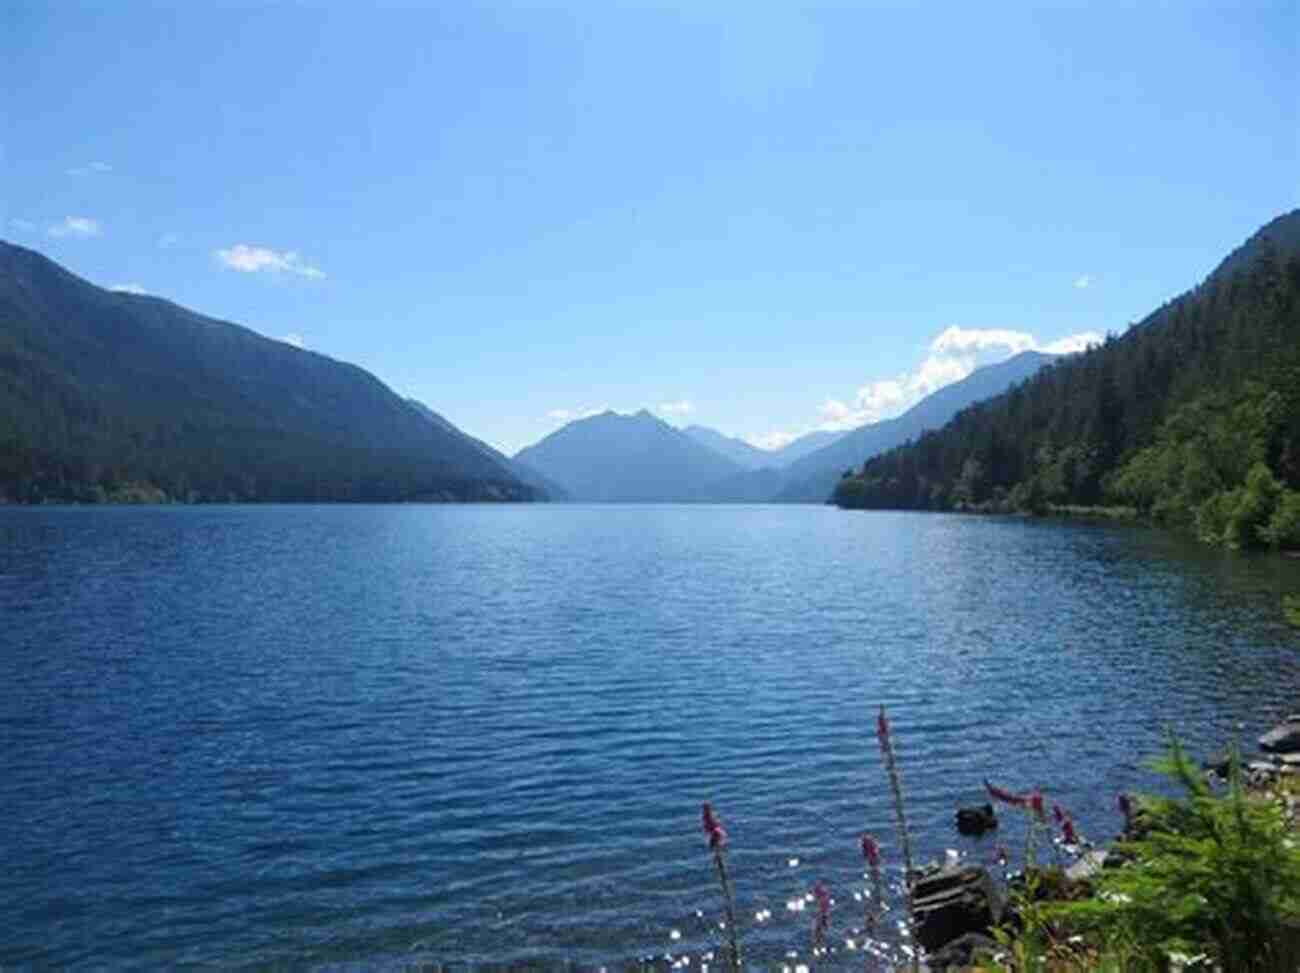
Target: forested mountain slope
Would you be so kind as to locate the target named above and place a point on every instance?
(548, 489)
(105, 395)
(1192, 416)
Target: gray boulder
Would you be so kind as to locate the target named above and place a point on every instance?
(1283, 738)
(975, 821)
(963, 952)
(953, 902)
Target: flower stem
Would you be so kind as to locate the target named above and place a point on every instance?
(900, 818)
(729, 908)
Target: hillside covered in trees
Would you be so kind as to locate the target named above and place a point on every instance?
(1192, 417)
(108, 396)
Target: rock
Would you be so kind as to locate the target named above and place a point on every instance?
(953, 902)
(1217, 764)
(1089, 865)
(975, 821)
(964, 951)
(1283, 738)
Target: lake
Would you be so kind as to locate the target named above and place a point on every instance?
(367, 737)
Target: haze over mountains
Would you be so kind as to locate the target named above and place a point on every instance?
(750, 457)
(640, 458)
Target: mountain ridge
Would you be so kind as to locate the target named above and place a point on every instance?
(102, 390)
(638, 458)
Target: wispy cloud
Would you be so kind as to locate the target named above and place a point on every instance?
(89, 169)
(676, 409)
(951, 356)
(1083, 281)
(77, 226)
(252, 260)
(130, 289)
(569, 415)
(1073, 343)
(293, 338)
(771, 440)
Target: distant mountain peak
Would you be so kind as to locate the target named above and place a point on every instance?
(626, 458)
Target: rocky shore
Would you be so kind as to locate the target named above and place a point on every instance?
(959, 907)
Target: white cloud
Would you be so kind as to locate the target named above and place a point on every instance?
(252, 260)
(293, 338)
(1074, 342)
(1082, 281)
(90, 169)
(679, 408)
(770, 440)
(569, 415)
(78, 226)
(26, 226)
(980, 339)
(951, 356)
(832, 410)
(129, 289)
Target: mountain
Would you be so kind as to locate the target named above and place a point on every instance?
(549, 489)
(751, 457)
(808, 443)
(765, 471)
(626, 458)
(812, 479)
(737, 450)
(1192, 417)
(107, 395)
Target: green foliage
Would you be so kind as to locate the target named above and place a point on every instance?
(1252, 508)
(1210, 874)
(1283, 528)
(1291, 609)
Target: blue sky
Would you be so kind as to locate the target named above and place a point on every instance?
(763, 220)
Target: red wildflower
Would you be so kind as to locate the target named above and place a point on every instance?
(882, 728)
(1068, 833)
(1006, 797)
(717, 836)
(1060, 815)
(823, 920)
(1036, 803)
(870, 851)
(823, 900)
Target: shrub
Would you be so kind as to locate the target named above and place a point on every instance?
(1291, 609)
(1215, 875)
(1283, 528)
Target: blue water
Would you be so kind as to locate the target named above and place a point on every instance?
(353, 737)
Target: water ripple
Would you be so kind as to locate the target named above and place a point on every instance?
(357, 738)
